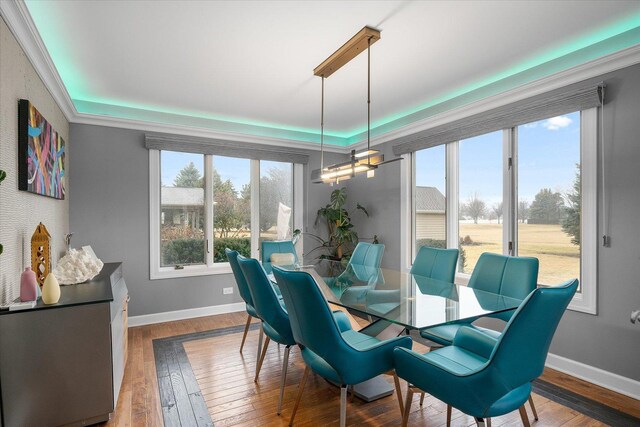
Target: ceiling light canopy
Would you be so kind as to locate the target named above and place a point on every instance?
(366, 161)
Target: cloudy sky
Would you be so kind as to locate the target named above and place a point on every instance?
(548, 151)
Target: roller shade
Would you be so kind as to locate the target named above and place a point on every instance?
(518, 113)
(227, 148)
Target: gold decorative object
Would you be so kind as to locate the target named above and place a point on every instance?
(41, 253)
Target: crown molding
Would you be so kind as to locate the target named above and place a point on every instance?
(595, 68)
(17, 17)
(145, 126)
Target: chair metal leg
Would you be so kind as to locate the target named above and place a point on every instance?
(448, 415)
(396, 381)
(343, 406)
(407, 406)
(488, 420)
(260, 338)
(264, 352)
(421, 398)
(480, 422)
(524, 416)
(246, 329)
(533, 408)
(283, 375)
(300, 389)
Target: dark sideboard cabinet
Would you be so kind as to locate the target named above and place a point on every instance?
(63, 364)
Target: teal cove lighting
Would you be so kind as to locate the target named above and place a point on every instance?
(607, 40)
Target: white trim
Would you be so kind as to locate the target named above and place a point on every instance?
(190, 271)
(587, 299)
(154, 213)
(451, 194)
(17, 16)
(170, 316)
(597, 376)
(298, 206)
(175, 129)
(255, 209)
(509, 191)
(209, 209)
(606, 64)
(407, 212)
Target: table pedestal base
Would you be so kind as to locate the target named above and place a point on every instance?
(373, 389)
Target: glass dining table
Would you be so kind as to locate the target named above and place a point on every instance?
(396, 302)
(410, 301)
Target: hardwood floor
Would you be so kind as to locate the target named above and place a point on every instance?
(226, 382)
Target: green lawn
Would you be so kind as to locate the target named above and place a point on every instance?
(559, 258)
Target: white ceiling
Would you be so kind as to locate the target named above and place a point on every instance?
(252, 61)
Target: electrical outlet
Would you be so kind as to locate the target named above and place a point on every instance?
(227, 291)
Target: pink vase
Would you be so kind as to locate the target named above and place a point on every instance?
(28, 285)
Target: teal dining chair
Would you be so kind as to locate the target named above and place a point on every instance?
(361, 275)
(245, 294)
(486, 377)
(436, 263)
(514, 277)
(275, 320)
(344, 357)
(368, 254)
(270, 247)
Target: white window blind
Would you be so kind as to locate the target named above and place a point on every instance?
(528, 110)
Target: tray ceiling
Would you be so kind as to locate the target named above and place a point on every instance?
(247, 66)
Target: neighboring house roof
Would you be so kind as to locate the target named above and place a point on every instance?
(429, 200)
(182, 196)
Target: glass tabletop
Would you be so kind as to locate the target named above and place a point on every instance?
(415, 302)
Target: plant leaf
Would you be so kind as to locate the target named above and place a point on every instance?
(362, 208)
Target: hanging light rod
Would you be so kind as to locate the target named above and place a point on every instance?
(368, 160)
(355, 46)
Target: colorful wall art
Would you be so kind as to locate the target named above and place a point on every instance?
(41, 154)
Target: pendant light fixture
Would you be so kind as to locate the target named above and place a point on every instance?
(366, 161)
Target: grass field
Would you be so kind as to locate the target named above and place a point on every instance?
(559, 258)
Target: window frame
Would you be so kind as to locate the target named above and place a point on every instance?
(584, 301)
(156, 272)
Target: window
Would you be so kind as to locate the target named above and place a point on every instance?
(202, 204)
(480, 198)
(549, 190)
(529, 190)
(231, 206)
(182, 235)
(276, 198)
(430, 201)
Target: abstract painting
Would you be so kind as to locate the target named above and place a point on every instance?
(41, 154)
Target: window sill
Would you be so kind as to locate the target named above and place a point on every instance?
(190, 271)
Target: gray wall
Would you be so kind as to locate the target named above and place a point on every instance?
(110, 212)
(607, 341)
(20, 212)
(380, 195)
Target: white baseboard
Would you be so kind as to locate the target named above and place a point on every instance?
(148, 319)
(594, 375)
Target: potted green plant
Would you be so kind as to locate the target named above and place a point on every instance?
(341, 237)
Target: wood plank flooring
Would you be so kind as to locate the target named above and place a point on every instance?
(226, 382)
